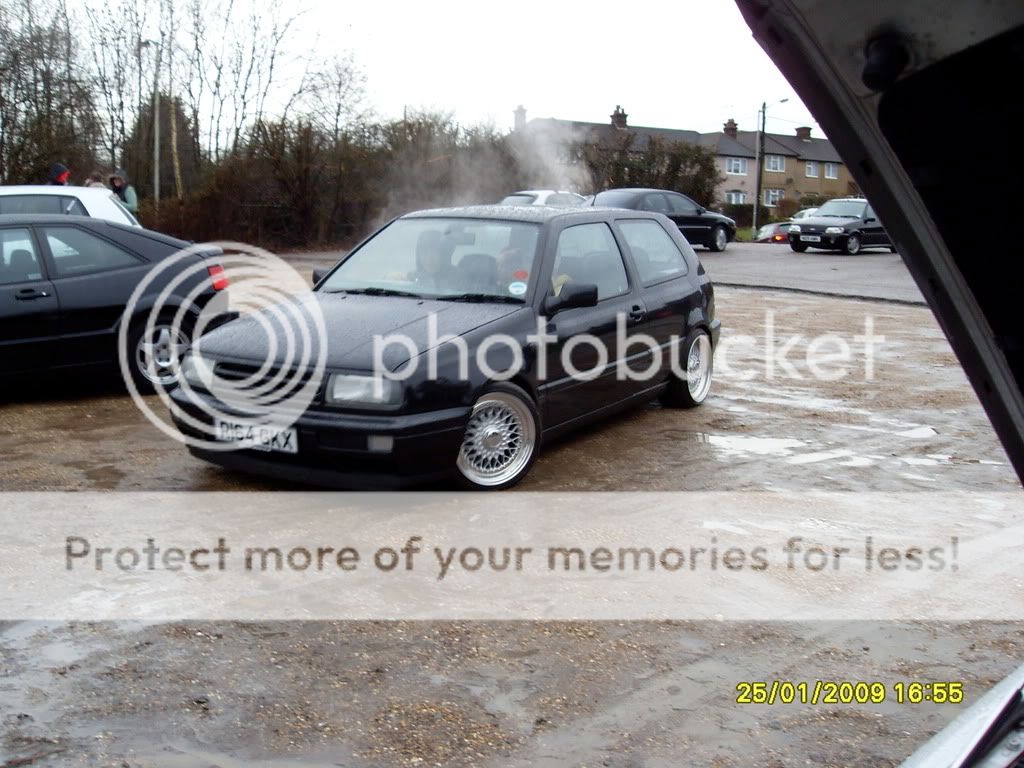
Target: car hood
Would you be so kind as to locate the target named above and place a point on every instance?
(825, 221)
(719, 217)
(351, 323)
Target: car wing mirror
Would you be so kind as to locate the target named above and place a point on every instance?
(571, 296)
(319, 273)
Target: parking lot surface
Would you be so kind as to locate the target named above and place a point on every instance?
(873, 273)
(534, 693)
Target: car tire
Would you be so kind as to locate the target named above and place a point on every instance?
(501, 441)
(700, 364)
(798, 247)
(149, 361)
(853, 245)
(719, 239)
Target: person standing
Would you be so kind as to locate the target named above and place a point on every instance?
(124, 190)
(96, 180)
(59, 175)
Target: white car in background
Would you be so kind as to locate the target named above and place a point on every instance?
(76, 201)
(803, 214)
(544, 197)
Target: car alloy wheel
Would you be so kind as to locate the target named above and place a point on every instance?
(699, 373)
(853, 245)
(157, 354)
(719, 239)
(500, 441)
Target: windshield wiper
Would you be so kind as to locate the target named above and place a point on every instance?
(377, 292)
(481, 297)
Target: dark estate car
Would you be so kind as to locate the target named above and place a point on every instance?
(64, 285)
(847, 224)
(491, 280)
(699, 225)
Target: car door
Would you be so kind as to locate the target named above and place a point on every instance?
(94, 278)
(874, 233)
(580, 378)
(28, 304)
(670, 297)
(688, 216)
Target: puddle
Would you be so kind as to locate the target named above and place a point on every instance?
(918, 432)
(738, 445)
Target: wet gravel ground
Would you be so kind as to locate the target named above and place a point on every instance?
(529, 693)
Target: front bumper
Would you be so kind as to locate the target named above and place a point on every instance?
(333, 448)
(827, 241)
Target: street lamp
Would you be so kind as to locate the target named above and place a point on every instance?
(759, 157)
(156, 122)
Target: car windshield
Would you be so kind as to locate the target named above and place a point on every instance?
(453, 258)
(846, 209)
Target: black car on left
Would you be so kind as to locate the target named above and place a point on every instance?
(698, 225)
(65, 282)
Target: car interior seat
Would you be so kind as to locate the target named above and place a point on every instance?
(478, 272)
(23, 267)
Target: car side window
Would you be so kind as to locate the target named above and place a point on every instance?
(77, 252)
(29, 204)
(869, 213)
(655, 253)
(682, 205)
(656, 202)
(588, 254)
(19, 260)
(72, 206)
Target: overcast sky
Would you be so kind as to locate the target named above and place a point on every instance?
(688, 64)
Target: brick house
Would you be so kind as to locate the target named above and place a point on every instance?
(793, 165)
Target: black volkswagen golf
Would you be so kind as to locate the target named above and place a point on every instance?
(455, 341)
(64, 285)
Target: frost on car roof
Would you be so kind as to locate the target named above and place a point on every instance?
(528, 213)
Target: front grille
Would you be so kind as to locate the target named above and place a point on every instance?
(289, 384)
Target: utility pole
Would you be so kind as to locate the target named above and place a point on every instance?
(760, 158)
(156, 132)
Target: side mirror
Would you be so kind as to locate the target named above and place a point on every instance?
(571, 296)
(319, 273)
(701, 211)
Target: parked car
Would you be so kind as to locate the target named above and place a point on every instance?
(699, 225)
(847, 224)
(544, 197)
(775, 232)
(73, 201)
(64, 283)
(803, 214)
(476, 274)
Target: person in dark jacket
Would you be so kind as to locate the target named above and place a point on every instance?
(59, 175)
(124, 190)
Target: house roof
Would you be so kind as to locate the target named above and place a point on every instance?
(744, 145)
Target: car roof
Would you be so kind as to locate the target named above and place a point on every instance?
(543, 192)
(9, 219)
(53, 189)
(537, 214)
(638, 190)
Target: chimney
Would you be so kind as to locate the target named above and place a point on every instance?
(804, 133)
(520, 113)
(619, 118)
(730, 128)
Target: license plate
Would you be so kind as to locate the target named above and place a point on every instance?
(258, 437)
(810, 239)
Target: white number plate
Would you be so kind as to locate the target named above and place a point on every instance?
(257, 437)
(810, 239)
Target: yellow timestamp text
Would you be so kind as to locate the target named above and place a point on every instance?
(848, 692)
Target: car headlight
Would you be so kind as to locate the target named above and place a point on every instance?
(834, 230)
(795, 228)
(363, 391)
(196, 371)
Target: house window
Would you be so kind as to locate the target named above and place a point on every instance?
(812, 169)
(831, 170)
(736, 166)
(774, 163)
(735, 197)
(772, 196)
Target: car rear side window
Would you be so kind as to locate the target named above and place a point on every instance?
(655, 253)
(588, 254)
(656, 202)
(29, 204)
(77, 252)
(19, 261)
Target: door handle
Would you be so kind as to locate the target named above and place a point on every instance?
(27, 294)
(637, 313)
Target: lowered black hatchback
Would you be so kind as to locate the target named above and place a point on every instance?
(699, 225)
(455, 341)
(846, 224)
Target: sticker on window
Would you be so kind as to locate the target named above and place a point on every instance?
(517, 288)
